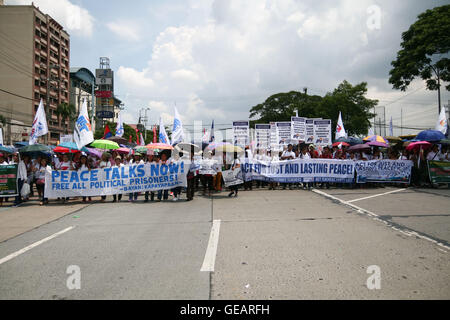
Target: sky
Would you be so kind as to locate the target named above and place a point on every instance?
(215, 59)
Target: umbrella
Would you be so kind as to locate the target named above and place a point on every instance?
(350, 140)
(376, 138)
(72, 146)
(344, 144)
(159, 146)
(359, 147)
(393, 139)
(377, 144)
(215, 145)
(104, 144)
(229, 148)
(21, 144)
(444, 141)
(94, 152)
(118, 140)
(418, 144)
(187, 147)
(60, 149)
(408, 136)
(141, 149)
(430, 136)
(6, 149)
(123, 150)
(36, 150)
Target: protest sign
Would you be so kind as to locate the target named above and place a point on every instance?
(322, 132)
(298, 128)
(283, 133)
(383, 171)
(232, 177)
(115, 180)
(241, 133)
(299, 170)
(262, 132)
(439, 171)
(309, 131)
(8, 180)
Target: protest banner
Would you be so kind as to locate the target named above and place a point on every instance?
(115, 180)
(299, 170)
(439, 171)
(8, 180)
(383, 171)
(283, 133)
(241, 133)
(298, 128)
(262, 132)
(309, 131)
(232, 177)
(322, 132)
(274, 146)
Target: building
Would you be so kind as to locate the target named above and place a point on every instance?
(82, 86)
(34, 65)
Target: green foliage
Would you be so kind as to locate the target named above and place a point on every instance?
(348, 99)
(422, 50)
(128, 131)
(65, 112)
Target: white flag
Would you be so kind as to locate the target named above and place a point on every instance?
(142, 141)
(163, 137)
(340, 131)
(205, 138)
(119, 128)
(39, 124)
(177, 132)
(83, 131)
(441, 124)
(1, 136)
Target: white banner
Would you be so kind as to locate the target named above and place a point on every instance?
(232, 177)
(263, 137)
(299, 170)
(284, 133)
(322, 132)
(274, 146)
(241, 133)
(309, 131)
(298, 128)
(115, 180)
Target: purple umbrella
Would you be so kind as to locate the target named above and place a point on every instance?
(94, 152)
(377, 144)
(359, 147)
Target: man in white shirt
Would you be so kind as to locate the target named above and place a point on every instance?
(288, 154)
(434, 154)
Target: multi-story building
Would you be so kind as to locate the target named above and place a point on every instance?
(34, 65)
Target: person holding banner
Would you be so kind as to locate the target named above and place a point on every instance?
(40, 176)
(137, 160)
(288, 154)
(235, 165)
(117, 164)
(84, 166)
(163, 194)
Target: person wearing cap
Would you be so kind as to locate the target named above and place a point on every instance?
(136, 161)
(83, 165)
(117, 164)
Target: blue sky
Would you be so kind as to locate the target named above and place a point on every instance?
(215, 59)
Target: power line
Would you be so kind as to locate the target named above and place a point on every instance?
(17, 95)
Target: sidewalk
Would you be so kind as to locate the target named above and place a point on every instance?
(30, 215)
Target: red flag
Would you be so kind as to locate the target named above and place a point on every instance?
(137, 136)
(130, 138)
(154, 134)
(107, 133)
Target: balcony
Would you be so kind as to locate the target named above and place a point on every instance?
(43, 90)
(54, 60)
(44, 53)
(44, 29)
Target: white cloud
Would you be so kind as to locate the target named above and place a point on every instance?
(75, 19)
(126, 30)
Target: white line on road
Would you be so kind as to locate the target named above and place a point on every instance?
(210, 256)
(31, 246)
(376, 195)
(377, 218)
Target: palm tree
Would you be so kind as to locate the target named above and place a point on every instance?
(65, 112)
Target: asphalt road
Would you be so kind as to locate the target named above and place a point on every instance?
(264, 245)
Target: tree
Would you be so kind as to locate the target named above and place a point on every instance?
(65, 112)
(348, 99)
(423, 47)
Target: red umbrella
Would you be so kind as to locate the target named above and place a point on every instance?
(123, 150)
(418, 144)
(344, 144)
(65, 150)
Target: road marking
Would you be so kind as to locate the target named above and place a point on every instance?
(376, 195)
(211, 251)
(376, 217)
(31, 246)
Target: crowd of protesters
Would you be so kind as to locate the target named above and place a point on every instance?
(32, 171)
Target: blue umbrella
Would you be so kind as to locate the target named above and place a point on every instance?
(21, 144)
(72, 146)
(6, 149)
(430, 136)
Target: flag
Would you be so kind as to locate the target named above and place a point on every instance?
(142, 140)
(107, 133)
(119, 129)
(177, 131)
(1, 137)
(83, 131)
(163, 137)
(154, 134)
(137, 137)
(131, 139)
(340, 131)
(441, 124)
(39, 127)
(212, 138)
(205, 138)
(391, 128)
